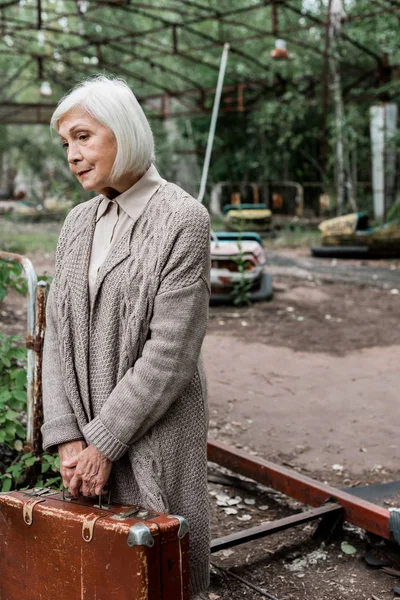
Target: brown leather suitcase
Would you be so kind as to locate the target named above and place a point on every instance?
(54, 548)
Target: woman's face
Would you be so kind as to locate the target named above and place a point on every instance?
(91, 149)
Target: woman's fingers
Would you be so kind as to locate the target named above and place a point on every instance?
(87, 490)
(91, 472)
(72, 462)
(67, 475)
(74, 485)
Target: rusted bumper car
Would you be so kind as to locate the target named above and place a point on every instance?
(238, 257)
(350, 236)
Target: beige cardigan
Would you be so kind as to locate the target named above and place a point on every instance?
(114, 217)
(126, 375)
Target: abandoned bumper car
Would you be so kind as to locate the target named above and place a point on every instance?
(350, 236)
(238, 258)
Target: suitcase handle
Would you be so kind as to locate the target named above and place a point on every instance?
(105, 506)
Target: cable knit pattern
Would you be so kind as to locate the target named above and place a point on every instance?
(126, 373)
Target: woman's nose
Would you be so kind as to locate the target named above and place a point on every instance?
(74, 154)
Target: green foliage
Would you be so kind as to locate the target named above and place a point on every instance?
(29, 470)
(241, 290)
(12, 390)
(26, 469)
(394, 212)
(11, 278)
(25, 238)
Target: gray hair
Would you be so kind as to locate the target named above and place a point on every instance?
(111, 102)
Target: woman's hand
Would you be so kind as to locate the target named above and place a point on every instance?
(67, 452)
(92, 470)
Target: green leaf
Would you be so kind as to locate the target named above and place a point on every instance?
(347, 548)
(11, 415)
(5, 396)
(7, 484)
(5, 360)
(20, 395)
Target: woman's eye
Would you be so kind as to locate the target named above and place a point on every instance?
(83, 137)
(65, 145)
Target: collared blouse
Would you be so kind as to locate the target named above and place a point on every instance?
(114, 217)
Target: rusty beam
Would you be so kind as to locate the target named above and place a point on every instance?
(260, 531)
(41, 298)
(366, 515)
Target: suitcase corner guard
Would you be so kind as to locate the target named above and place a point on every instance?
(140, 535)
(183, 526)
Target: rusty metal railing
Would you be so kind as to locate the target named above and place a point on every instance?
(36, 324)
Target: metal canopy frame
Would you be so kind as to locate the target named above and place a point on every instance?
(63, 41)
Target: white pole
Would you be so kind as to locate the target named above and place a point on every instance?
(213, 124)
(377, 126)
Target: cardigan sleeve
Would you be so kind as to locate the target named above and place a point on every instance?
(60, 424)
(170, 356)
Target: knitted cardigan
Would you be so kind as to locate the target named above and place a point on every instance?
(125, 373)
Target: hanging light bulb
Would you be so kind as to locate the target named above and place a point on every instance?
(45, 89)
(280, 50)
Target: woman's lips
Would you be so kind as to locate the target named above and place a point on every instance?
(82, 173)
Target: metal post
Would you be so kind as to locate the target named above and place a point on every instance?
(37, 411)
(213, 124)
(31, 279)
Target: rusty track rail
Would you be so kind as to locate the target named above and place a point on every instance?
(364, 514)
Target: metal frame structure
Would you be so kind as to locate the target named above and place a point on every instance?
(169, 50)
(359, 506)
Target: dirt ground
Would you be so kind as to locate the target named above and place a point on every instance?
(308, 380)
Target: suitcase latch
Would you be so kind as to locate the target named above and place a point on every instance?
(28, 507)
(88, 526)
(40, 492)
(122, 516)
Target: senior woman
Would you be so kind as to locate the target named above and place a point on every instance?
(124, 389)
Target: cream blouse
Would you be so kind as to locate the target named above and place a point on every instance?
(114, 217)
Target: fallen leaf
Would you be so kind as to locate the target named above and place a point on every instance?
(234, 501)
(230, 511)
(264, 507)
(18, 445)
(244, 517)
(347, 548)
(222, 497)
(213, 596)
